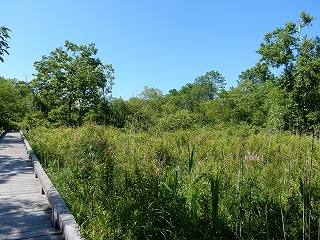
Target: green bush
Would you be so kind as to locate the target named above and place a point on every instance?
(182, 119)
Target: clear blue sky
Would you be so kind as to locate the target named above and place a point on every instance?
(156, 43)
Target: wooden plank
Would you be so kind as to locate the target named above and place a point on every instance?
(20, 189)
(22, 195)
(18, 184)
(24, 233)
(26, 191)
(6, 210)
(25, 213)
(24, 219)
(47, 237)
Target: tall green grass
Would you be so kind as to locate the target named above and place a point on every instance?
(200, 184)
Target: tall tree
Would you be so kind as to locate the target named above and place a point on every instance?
(70, 81)
(4, 36)
(299, 59)
(208, 86)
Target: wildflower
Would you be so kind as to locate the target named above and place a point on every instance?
(252, 156)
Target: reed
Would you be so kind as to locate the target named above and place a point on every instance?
(203, 184)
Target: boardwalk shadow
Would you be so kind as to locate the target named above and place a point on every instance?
(12, 166)
(7, 138)
(21, 219)
(13, 157)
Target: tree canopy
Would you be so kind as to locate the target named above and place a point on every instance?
(4, 36)
(70, 82)
(288, 49)
(281, 91)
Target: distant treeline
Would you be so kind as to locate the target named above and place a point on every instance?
(72, 87)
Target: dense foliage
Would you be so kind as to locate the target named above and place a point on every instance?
(4, 36)
(281, 92)
(201, 184)
(71, 84)
(200, 162)
(299, 57)
(15, 102)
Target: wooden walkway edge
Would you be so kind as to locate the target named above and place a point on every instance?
(25, 212)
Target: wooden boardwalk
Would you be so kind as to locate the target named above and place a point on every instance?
(25, 213)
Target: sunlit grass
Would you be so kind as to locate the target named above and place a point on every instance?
(201, 184)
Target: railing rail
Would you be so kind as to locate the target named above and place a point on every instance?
(2, 132)
(61, 216)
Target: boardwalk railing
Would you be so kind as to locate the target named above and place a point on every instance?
(62, 218)
(1, 133)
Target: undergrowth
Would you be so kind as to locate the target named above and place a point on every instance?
(200, 184)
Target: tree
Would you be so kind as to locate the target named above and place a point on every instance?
(14, 102)
(153, 99)
(250, 101)
(204, 88)
(299, 59)
(150, 93)
(119, 110)
(141, 116)
(70, 81)
(4, 35)
(208, 86)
